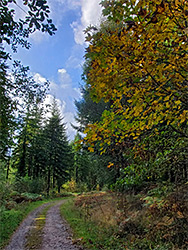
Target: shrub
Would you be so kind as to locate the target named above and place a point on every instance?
(70, 186)
(27, 185)
(6, 188)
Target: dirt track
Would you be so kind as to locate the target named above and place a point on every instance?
(55, 235)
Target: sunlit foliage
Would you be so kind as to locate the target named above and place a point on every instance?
(137, 61)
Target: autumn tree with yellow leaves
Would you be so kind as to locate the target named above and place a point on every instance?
(137, 61)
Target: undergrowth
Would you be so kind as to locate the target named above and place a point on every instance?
(87, 232)
(155, 219)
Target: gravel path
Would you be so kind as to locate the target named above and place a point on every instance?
(18, 239)
(56, 232)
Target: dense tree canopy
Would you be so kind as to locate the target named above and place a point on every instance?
(141, 65)
(137, 61)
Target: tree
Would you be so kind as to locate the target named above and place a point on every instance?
(14, 33)
(137, 59)
(58, 151)
(90, 169)
(17, 32)
(30, 141)
(43, 150)
(6, 107)
(88, 111)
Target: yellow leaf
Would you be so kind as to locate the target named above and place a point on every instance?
(167, 105)
(91, 149)
(97, 49)
(135, 137)
(129, 100)
(110, 164)
(177, 102)
(183, 116)
(167, 98)
(180, 215)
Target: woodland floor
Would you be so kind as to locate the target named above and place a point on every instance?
(43, 229)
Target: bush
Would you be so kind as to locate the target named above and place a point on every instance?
(70, 186)
(5, 188)
(27, 185)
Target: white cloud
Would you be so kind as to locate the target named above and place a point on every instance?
(53, 88)
(60, 103)
(62, 71)
(71, 4)
(64, 77)
(67, 4)
(39, 37)
(39, 79)
(69, 119)
(58, 8)
(78, 91)
(90, 15)
(91, 12)
(78, 29)
(76, 58)
(64, 89)
(74, 62)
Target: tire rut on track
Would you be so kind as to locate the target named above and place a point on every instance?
(56, 233)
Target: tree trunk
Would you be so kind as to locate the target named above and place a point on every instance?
(8, 167)
(48, 182)
(59, 189)
(53, 180)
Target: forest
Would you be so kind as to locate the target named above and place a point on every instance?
(125, 174)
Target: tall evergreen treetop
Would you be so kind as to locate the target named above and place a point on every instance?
(57, 147)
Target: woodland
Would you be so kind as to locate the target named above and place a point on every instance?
(127, 166)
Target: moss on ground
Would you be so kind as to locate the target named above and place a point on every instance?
(34, 236)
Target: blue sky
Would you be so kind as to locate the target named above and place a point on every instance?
(60, 58)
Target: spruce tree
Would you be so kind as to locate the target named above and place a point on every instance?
(57, 148)
(27, 150)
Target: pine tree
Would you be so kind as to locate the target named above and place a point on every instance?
(27, 151)
(58, 151)
(88, 111)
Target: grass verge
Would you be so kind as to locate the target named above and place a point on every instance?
(88, 233)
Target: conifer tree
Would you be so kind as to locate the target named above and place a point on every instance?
(27, 151)
(58, 151)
